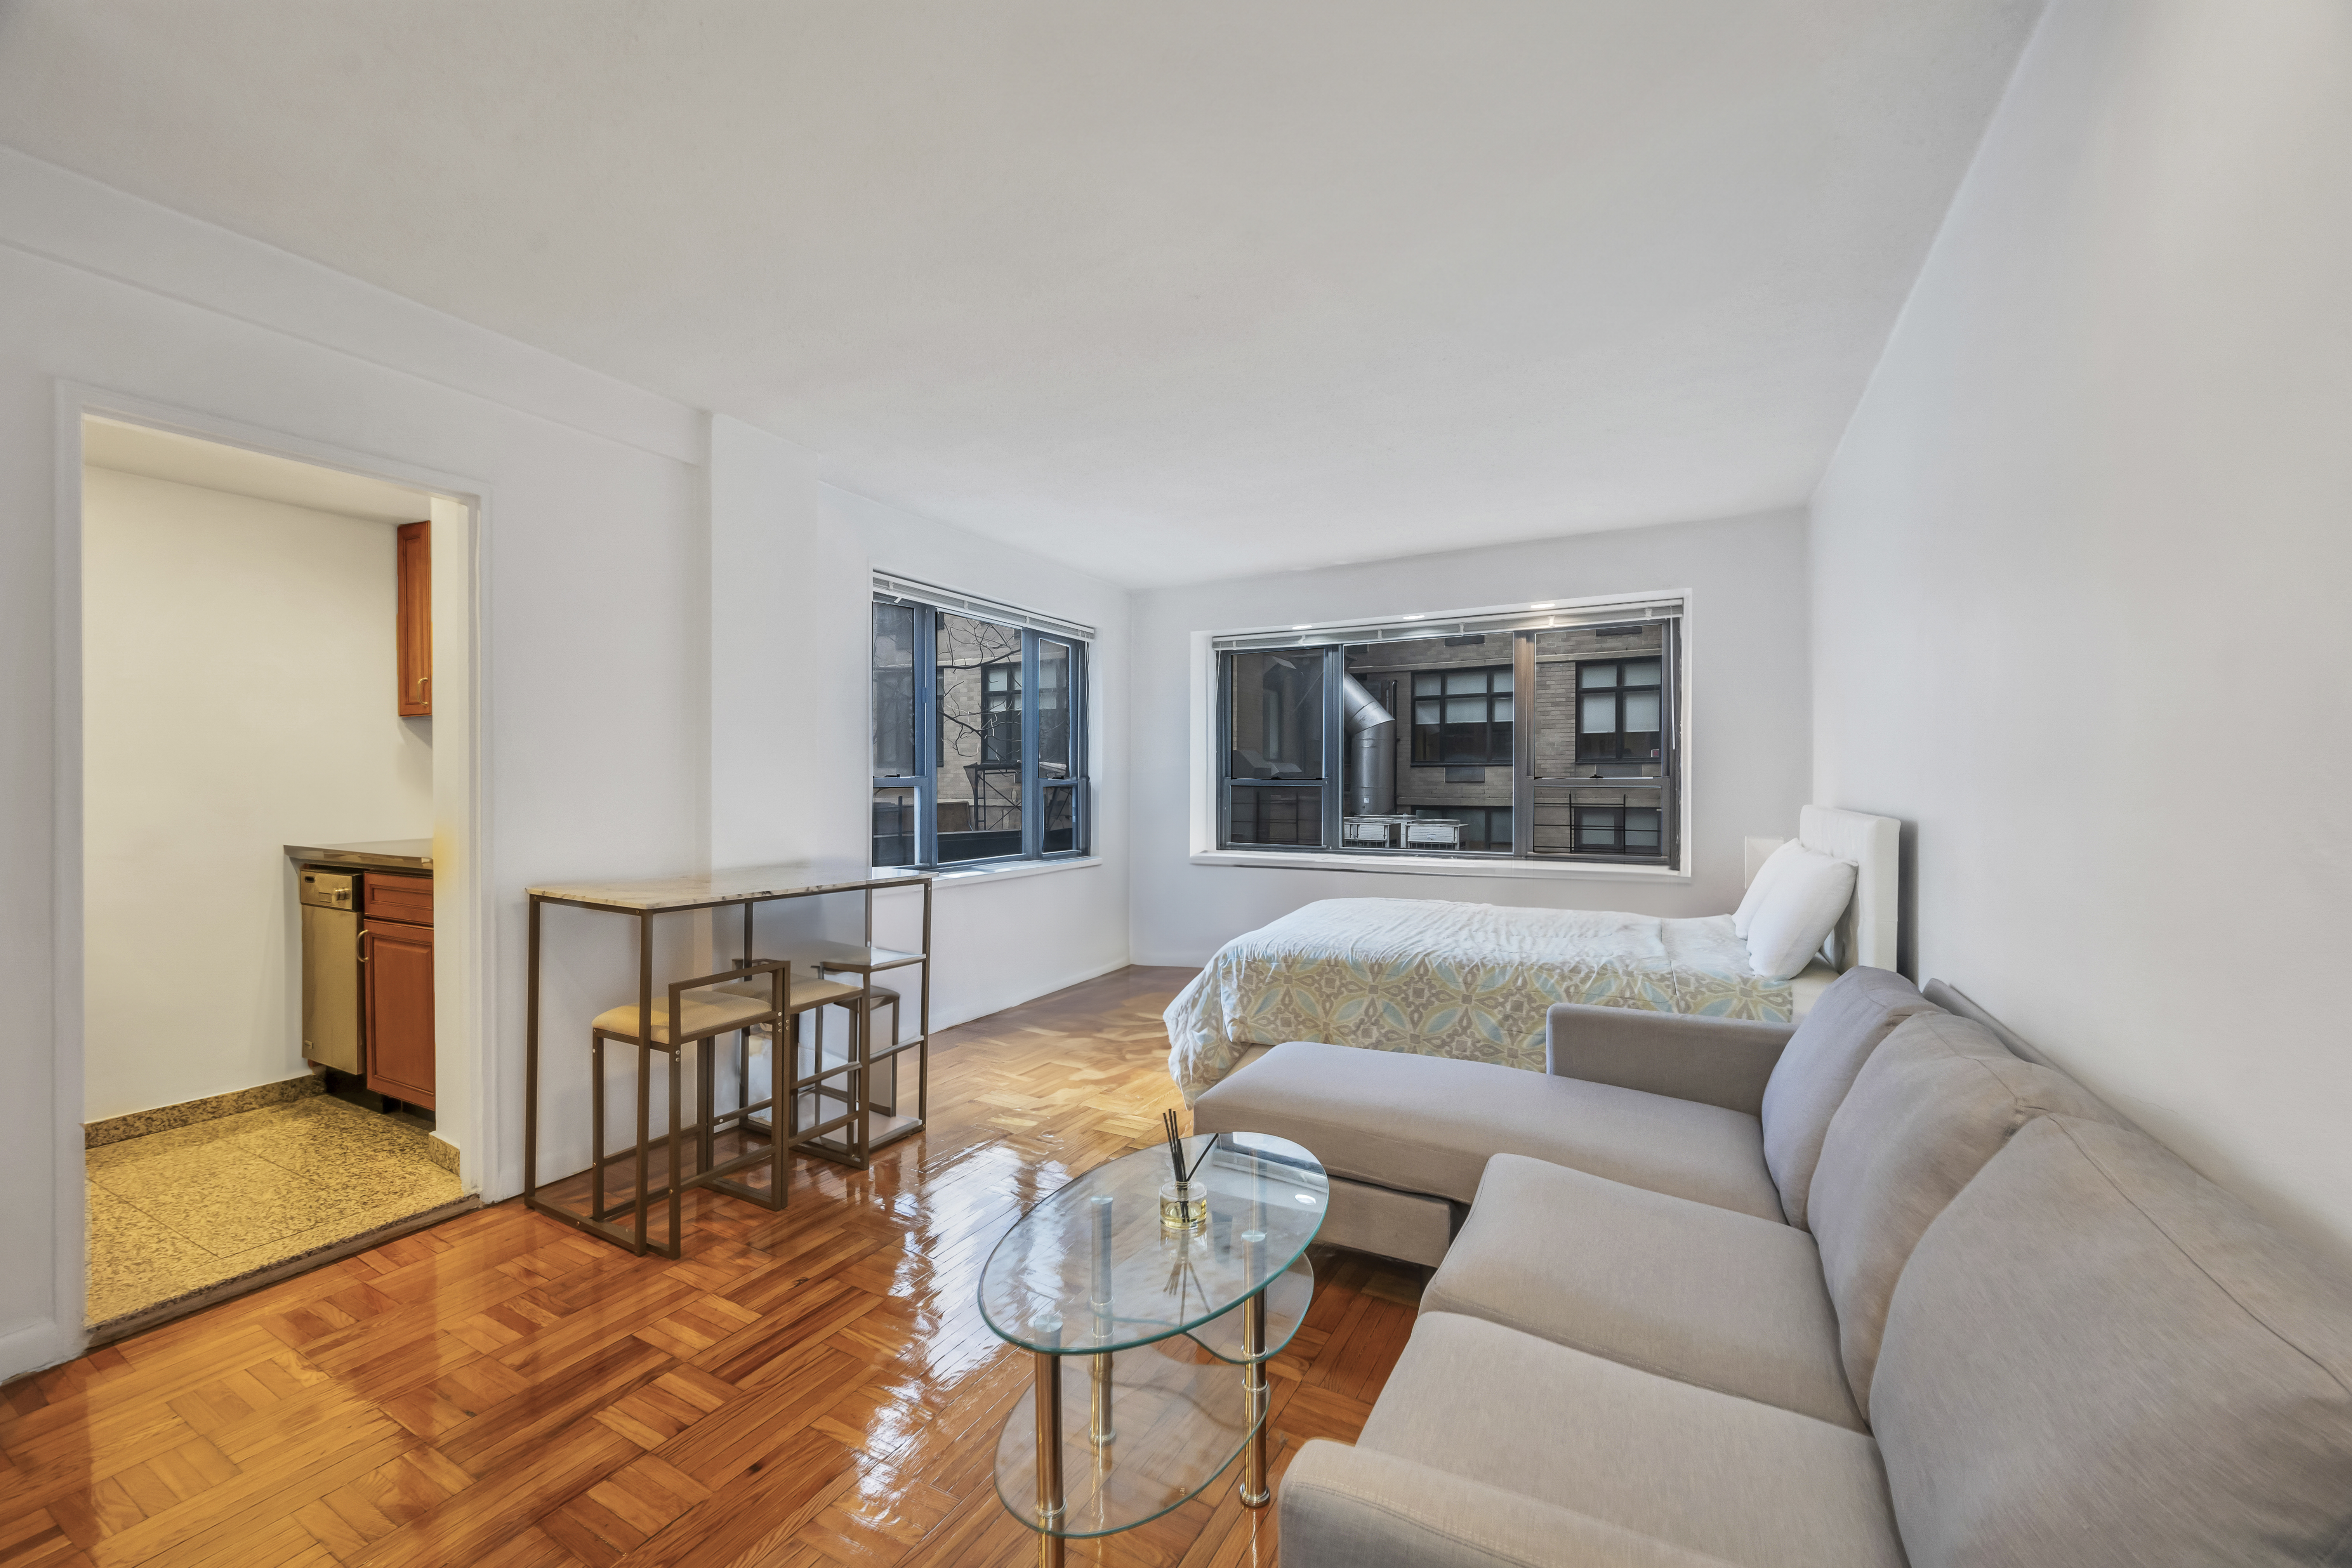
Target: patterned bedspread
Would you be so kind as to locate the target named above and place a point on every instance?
(1467, 981)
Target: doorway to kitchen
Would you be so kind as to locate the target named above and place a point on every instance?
(261, 807)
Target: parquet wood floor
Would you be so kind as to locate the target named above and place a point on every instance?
(810, 1389)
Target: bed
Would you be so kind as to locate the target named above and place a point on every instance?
(1474, 980)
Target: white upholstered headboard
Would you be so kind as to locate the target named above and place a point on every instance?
(1865, 934)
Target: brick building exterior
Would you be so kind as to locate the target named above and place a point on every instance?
(1432, 789)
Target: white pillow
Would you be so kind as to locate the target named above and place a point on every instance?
(1758, 890)
(1797, 911)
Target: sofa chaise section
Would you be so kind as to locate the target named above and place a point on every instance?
(1694, 1107)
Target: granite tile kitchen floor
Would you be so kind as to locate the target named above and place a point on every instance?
(176, 1213)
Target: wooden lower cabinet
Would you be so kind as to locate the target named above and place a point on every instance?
(398, 965)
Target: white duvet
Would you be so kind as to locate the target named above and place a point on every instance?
(1467, 981)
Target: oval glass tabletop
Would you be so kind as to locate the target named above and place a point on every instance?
(1092, 1269)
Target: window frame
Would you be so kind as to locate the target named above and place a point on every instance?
(924, 780)
(1666, 790)
(1329, 802)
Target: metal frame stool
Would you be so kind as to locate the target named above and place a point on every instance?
(686, 1021)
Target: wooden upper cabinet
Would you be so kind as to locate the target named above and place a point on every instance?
(414, 552)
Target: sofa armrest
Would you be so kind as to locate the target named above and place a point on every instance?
(1360, 1508)
(1717, 1062)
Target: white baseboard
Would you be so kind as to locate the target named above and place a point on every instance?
(1187, 960)
(949, 1017)
(30, 1347)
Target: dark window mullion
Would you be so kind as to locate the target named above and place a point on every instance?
(1523, 744)
(1334, 741)
(1031, 799)
(927, 738)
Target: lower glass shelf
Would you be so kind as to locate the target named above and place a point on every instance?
(1287, 1297)
(1176, 1417)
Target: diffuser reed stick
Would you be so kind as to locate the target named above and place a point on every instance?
(1176, 1149)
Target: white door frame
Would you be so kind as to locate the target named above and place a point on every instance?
(465, 931)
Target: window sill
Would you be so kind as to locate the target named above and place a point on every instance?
(1438, 866)
(1005, 871)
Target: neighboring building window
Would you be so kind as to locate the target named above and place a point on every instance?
(979, 749)
(1000, 717)
(1618, 708)
(1535, 737)
(1618, 830)
(1462, 718)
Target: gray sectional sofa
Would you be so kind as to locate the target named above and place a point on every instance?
(1871, 1290)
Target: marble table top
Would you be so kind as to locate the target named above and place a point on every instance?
(729, 885)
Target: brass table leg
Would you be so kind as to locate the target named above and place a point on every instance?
(1049, 1458)
(1101, 1431)
(1255, 1491)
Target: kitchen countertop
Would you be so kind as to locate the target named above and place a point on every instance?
(393, 854)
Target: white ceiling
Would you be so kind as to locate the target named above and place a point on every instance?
(189, 460)
(1176, 291)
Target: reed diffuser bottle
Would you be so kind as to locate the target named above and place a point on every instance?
(1183, 1203)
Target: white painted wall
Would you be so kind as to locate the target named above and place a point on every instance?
(1746, 648)
(2079, 578)
(624, 548)
(590, 557)
(790, 569)
(1004, 939)
(238, 686)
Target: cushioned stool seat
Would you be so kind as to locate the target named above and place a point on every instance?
(809, 990)
(698, 1017)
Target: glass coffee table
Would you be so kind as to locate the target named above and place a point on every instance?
(1174, 1321)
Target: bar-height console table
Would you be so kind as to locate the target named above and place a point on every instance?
(849, 1137)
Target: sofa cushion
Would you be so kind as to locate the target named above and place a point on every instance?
(1932, 1104)
(1745, 1482)
(2097, 1357)
(1424, 1124)
(1687, 1290)
(1857, 1011)
(1347, 1507)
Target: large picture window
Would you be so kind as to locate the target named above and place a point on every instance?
(978, 742)
(1532, 736)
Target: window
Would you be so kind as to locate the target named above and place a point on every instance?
(1462, 718)
(1535, 736)
(1617, 829)
(1618, 704)
(979, 745)
(1000, 717)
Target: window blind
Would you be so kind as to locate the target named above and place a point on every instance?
(898, 590)
(1459, 623)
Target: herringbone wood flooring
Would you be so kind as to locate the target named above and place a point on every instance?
(804, 1389)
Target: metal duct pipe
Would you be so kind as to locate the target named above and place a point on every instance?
(1371, 750)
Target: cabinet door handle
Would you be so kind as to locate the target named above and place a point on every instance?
(365, 934)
